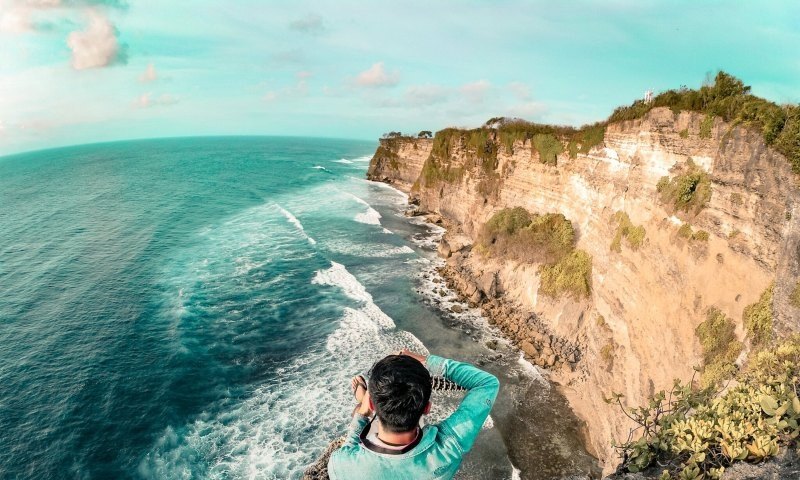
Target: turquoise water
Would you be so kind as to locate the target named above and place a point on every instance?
(194, 308)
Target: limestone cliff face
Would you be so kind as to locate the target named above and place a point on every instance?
(636, 332)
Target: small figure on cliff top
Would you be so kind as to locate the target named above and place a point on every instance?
(648, 96)
(385, 441)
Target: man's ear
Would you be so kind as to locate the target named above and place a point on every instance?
(371, 405)
(427, 409)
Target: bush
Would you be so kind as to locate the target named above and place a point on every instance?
(757, 318)
(517, 234)
(633, 234)
(571, 275)
(706, 125)
(720, 346)
(689, 191)
(548, 147)
(729, 98)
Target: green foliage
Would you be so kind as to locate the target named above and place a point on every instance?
(757, 318)
(425, 134)
(794, 298)
(387, 152)
(685, 231)
(706, 125)
(684, 133)
(729, 98)
(590, 136)
(517, 234)
(696, 434)
(689, 191)
(720, 346)
(571, 275)
(700, 235)
(548, 147)
(633, 234)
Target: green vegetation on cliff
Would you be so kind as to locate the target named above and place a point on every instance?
(693, 434)
(688, 191)
(730, 99)
(548, 239)
(633, 234)
(571, 275)
(757, 319)
(517, 234)
(720, 347)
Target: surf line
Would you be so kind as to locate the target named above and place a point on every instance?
(294, 221)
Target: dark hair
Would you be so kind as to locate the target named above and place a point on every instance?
(400, 389)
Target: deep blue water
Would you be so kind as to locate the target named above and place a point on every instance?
(193, 308)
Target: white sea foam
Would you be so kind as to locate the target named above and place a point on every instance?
(387, 231)
(320, 167)
(370, 217)
(344, 161)
(282, 425)
(294, 221)
(365, 158)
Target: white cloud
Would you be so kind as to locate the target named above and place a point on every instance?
(311, 24)
(298, 90)
(520, 91)
(421, 95)
(96, 46)
(149, 75)
(377, 76)
(476, 92)
(147, 100)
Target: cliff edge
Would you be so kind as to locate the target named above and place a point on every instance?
(679, 213)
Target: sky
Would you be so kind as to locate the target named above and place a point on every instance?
(84, 71)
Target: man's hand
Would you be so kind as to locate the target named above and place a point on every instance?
(408, 353)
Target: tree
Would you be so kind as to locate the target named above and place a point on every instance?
(425, 134)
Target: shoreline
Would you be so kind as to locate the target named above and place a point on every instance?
(502, 323)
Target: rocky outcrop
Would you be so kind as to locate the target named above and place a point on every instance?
(636, 332)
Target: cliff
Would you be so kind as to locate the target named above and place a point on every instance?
(636, 329)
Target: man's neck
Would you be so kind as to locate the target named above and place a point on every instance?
(396, 438)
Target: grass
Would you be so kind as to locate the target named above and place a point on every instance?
(757, 318)
(571, 276)
(634, 235)
(685, 231)
(689, 191)
(720, 346)
(387, 152)
(684, 133)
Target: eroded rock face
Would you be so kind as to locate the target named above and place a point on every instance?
(636, 332)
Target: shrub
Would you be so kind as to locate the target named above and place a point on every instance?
(685, 231)
(757, 318)
(689, 191)
(729, 98)
(693, 434)
(571, 275)
(517, 234)
(700, 235)
(633, 234)
(684, 133)
(706, 125)
(720, 346)
(548, 147)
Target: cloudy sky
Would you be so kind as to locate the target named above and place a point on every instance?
(80, 71)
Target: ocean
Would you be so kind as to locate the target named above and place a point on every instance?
(194, 309)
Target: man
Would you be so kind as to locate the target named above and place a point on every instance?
(392, 446)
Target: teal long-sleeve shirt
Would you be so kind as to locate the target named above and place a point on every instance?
(438, 455)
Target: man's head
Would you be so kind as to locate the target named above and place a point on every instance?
(400, 392)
